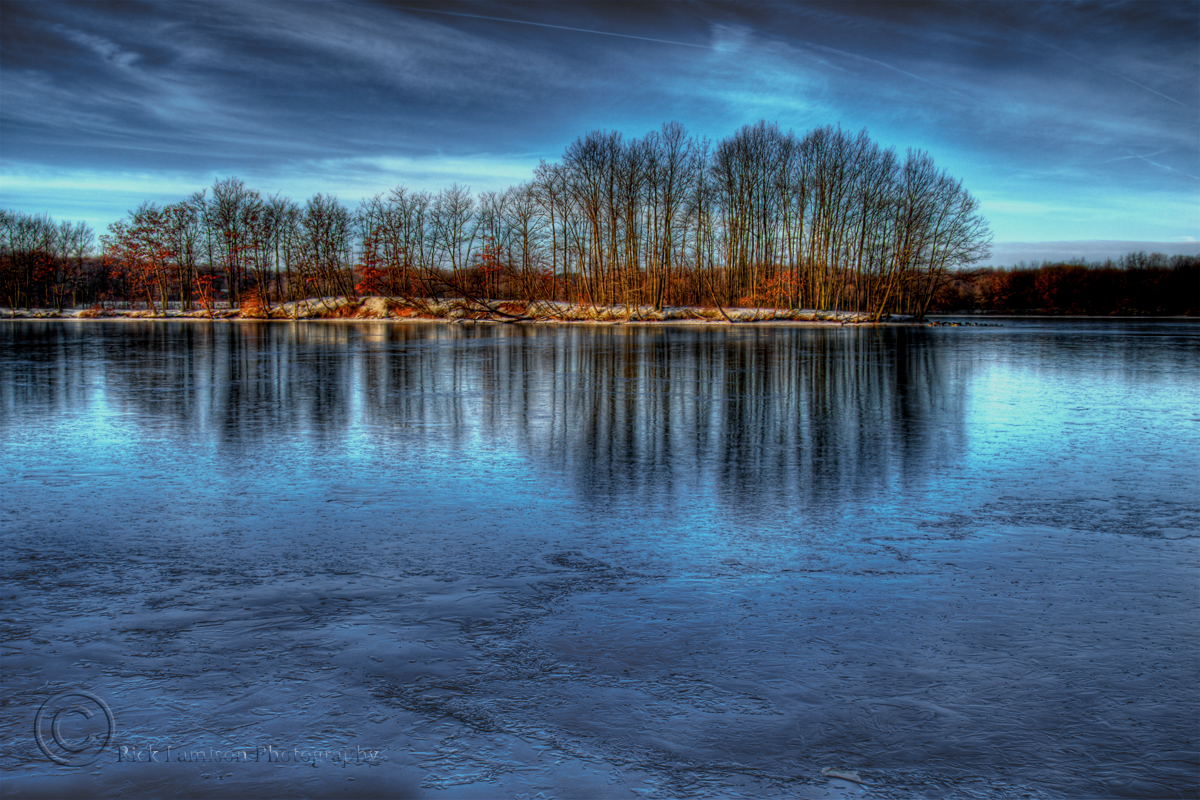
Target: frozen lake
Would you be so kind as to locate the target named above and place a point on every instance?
(373, 560)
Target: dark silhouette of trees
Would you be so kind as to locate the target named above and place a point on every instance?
(1135, 284)
(40, 261)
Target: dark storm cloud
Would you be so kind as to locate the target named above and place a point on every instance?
(1068, 120)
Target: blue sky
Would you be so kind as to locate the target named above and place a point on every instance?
(1076, 124)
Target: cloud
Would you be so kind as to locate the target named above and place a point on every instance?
(1051, 113)
(100, 197)
(110, 52)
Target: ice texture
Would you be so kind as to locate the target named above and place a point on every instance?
(631, 562)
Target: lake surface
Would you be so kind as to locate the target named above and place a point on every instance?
(629, 561)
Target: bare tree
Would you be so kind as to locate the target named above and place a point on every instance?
(828, 220)
(227, 215)
(325, 231)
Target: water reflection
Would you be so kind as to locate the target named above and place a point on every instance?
(758, 415)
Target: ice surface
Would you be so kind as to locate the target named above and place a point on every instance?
(634, 562)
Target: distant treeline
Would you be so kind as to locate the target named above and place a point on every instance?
(1136, 284)
(827, 220)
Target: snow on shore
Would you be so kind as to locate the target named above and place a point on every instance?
(460, 310)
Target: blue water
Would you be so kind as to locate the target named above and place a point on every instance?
(590, 561)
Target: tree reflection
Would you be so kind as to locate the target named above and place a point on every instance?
(756, 417)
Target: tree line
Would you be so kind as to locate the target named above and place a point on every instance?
(828, 220)
(42, 261)
(1136, 284)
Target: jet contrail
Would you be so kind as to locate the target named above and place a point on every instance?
(886, 65)
(1160, 166)
(1134, 155)
(1084, 61)
(557, 27)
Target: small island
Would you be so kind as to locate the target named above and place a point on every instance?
(823, 226)
(767, 226)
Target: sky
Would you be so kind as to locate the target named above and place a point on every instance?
(1077, 125)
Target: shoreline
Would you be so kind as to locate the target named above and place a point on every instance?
(999, 315)
(500, 312)
(468, 312)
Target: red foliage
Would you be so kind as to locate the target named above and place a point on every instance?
(140, 255)
(374, 281)
(204, 292)
(781, 290)
(253, 307)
